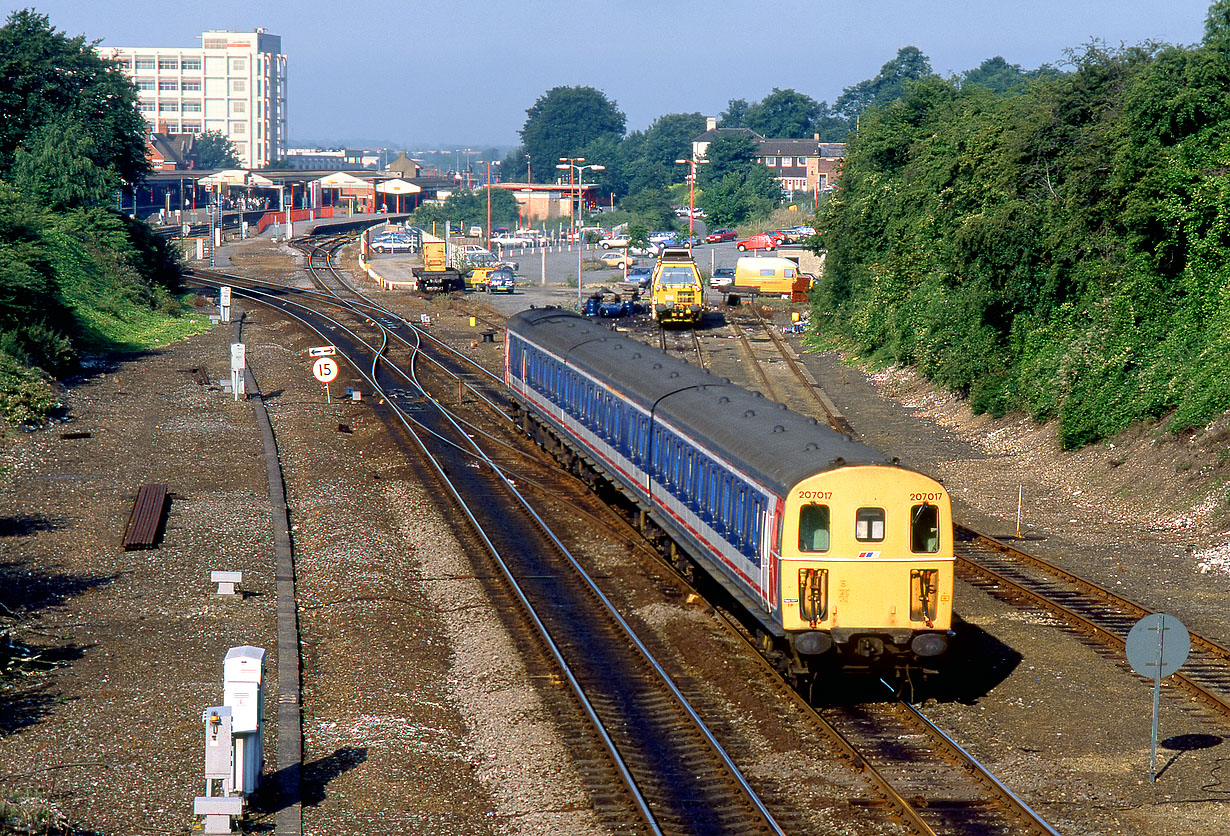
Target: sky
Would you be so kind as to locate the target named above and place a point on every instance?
(421, 74)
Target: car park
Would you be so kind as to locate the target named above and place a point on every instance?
(719, 236)
(760, 241)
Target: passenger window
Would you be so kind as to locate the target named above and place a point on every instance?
(925, 528)
(814, 528)
(869, 524)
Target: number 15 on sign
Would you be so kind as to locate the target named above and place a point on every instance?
(325, 370)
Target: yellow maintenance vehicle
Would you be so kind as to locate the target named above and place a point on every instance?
(675, 289)
(436, 275)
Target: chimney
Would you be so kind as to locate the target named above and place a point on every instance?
(816, 137)
(710, 123)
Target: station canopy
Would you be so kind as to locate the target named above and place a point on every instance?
(398, 186)
(342, 180)
(235, 177)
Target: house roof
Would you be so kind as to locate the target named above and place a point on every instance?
(714, 133)
(800, 148)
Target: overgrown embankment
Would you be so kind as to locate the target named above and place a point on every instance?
(1062, 250)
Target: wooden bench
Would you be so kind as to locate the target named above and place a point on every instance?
(145, 522)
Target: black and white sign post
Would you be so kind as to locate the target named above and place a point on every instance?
(238, 364)
(224, 304)
(1156, 646)
(324, 366)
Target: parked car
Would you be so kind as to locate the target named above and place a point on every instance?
(617, 260)
(392, 242)
(719, 236)
(681, 240)
(637, 278)
(501, 280)
(778, 235)
(661, 237)
(652, 250)
(476, 231)
(618, 241)
(760, 241)
(509, 239)
(722, 278)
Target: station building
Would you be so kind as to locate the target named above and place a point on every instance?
(235, 82)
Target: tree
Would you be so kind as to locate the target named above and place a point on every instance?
(888, 86)
(735, 115)
(214, 150)
(784, 113)
(728, 153)
(998, 76)
(57, 171)
(47, 78)
(564, 120)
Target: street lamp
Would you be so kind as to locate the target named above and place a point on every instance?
(488, 163)
(692, 163)
(573, 163)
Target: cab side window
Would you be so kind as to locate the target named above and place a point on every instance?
(814, 528)
(925, 528)
(869, 525)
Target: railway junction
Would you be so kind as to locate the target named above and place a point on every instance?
(426, 706)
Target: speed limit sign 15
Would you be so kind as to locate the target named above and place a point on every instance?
(325, 369)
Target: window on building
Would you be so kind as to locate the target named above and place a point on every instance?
(144, 64)
(145, 84)
(168, 86)
(190, 64)
(168, 64)
(800, 161)
(238, 128)
(191, 85)
(215, 43)
(168, 107)
(145, 107)
(191, 128)
(770, 160)
(239, 65)
(192, 107)
(239, 107)
(239, 85)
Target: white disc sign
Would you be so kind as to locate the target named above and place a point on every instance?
(1158, 645)
(325, 369)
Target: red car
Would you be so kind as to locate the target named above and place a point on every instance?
(757, 242)
(778, 235)
(720, 235)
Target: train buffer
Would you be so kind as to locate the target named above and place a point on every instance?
(489, 336)
(145, 522)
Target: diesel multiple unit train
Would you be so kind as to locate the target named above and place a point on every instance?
(834, 552)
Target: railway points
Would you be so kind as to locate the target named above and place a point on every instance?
(332, 602)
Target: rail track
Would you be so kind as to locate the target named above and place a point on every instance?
(1012, 574)
(675, 772)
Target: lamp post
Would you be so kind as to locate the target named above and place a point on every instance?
(574, 163)
(488, 163)
(691, 164)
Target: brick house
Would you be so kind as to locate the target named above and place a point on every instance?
(800, 165)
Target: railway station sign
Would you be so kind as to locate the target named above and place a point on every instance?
(1157, 646)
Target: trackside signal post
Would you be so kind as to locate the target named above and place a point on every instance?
(324, 366)
(238, 364)
(1156, 646)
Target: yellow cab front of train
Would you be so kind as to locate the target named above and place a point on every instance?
(867, 566)
(675, 288)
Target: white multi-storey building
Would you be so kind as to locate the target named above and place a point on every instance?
(234, 83)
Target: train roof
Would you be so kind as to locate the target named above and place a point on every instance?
(771, 443)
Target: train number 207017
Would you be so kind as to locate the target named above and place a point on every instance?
(815, 494)
(926, 497)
